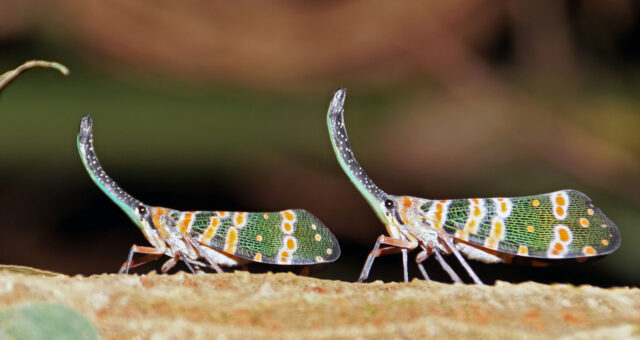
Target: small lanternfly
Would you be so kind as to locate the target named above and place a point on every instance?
(220, 238)
(547, 227)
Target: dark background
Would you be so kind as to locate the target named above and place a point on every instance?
(203, 105)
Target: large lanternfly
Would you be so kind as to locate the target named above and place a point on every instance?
(219, 238)
(547, 227)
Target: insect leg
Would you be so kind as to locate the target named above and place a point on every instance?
(376, 252)
(446, 267)
(141, 250)
(404, 265)
(212, 264)
(423, 255)
(171, 262)
(139, 261)
(463, 262)
(186, 262)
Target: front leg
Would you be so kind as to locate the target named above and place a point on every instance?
(396, 245)
(152, 254)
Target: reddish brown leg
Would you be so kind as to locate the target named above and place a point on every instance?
(140, 261)
(141, 250)
(376, 252)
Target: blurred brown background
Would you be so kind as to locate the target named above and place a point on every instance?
(221, 106)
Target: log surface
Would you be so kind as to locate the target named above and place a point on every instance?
(254, 306)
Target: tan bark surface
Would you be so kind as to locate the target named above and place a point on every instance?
(241, 305)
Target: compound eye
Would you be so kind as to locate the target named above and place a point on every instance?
(142, 210)
(388, 204)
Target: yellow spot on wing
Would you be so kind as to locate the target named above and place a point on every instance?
(605, 242)
(288, 215)
(183, 223)
(210, 232)
(590, 212)
(584, 222)
(291, 244)
(563, 235)
(491, 243)
(588, 251)
(259, 238)
(257, 257)
(531, 228)
(523, 250)
(535, 203)
(265, 216)
(231, 241)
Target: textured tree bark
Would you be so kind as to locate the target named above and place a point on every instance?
(249, 306)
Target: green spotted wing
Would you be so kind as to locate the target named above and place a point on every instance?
(562, 224)
(285, 237)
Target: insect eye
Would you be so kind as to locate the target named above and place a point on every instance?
(388, 204)
(142, 210)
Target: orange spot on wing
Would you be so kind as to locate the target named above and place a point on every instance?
(438, 213)
(523, 250)
(476, 211)
(560, 200)
(472, 223)
(184, 223)
(291, 244)
(231, 242)
(605, 242)
(584, 222)
(239, 218)
(157, 213)
(531, 228)
(210, 232)
(285, 254)
(475, 201)
(558, 246)
(406, 202)
(503, 207)
(215, 222)
(535, 203)
(288, 215)
(563, 234)
(491, 243)
(560, 211)
(588, 250)
(288, 227)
